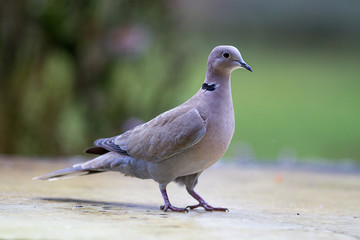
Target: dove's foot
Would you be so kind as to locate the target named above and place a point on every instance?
(172, 208)
(168, 205)
(203, 204)
(208, 208)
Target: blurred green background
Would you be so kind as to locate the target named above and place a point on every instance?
(74, 71)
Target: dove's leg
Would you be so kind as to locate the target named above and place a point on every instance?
(168, 205)
(203, 203)
(190, 182)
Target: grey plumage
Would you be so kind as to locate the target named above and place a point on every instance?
(178, 145)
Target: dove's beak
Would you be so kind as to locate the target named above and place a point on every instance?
(244, 65)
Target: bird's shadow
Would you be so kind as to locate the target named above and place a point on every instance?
(79, 203)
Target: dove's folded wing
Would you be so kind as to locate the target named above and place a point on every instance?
(166, 135)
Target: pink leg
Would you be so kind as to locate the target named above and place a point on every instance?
(168, 205)
(204, 204)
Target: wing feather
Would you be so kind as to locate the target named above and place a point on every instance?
(166, 135)
(162, 137)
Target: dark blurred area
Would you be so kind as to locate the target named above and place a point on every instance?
(74, 71)
(58, 60)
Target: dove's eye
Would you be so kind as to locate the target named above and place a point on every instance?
(226, 55)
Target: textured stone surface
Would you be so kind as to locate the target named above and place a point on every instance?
(264, 203)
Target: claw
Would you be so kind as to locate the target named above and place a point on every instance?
(172, 208)
(208, 208)
(168, 205)
(204, 204)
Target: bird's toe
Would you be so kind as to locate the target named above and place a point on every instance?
(167, 207)
(208, 208)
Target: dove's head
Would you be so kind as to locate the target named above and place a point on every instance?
(225, 59)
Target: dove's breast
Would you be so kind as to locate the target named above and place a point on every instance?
(220, 130)
(220, 120)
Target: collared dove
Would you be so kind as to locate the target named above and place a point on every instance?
(178, 145)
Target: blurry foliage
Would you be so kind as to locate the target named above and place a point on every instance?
(67, 68)
(74, 71)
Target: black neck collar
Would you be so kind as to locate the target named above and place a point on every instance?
(208, 87)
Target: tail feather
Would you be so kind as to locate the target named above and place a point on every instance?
(96, 150)
(102, 163)
(69, 172)
(110, 161)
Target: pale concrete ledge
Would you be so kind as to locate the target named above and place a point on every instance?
(264, 203)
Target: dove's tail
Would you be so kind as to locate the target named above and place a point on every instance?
(69, 172)
(110, 161)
